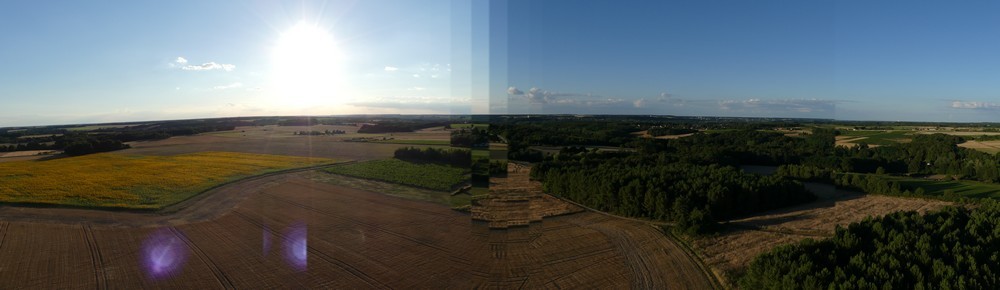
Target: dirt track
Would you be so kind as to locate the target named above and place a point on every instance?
(289, 231)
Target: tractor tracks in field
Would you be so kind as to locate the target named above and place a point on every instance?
(221, 276)
(3, 232)
(361, 275)
(96, 258)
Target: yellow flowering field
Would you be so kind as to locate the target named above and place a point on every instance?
(140, 182)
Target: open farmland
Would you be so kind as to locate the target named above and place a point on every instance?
(302, 146)
(132, 181)
(731, 251)
(425, 175)
(293, 231)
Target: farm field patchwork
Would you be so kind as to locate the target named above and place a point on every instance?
(132, 181)
(425, 175)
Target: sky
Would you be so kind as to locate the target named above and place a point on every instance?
(67, 62)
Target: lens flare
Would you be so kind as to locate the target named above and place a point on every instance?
(163, 254)
(266, 241)
(296, 249)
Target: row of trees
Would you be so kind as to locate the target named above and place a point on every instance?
(954, 248)
(693, 196)
(454, 157)
(82, 144)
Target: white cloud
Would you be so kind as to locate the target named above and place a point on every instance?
(974, 105)
(416, 75)
(203, 67)
(416, 89)
(391, 68)
(229, 86)
(434, 76)
(514, 91)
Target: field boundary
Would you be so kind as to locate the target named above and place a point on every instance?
(693, 255)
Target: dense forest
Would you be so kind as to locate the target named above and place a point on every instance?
(661, 188)
(954, 248)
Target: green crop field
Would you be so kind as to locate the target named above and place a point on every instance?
(424, 175)
(964, 188)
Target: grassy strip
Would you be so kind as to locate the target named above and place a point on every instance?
(424, 175)
(397, 190)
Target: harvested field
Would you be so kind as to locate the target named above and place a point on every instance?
(26, 153)
(732, 250)
(991, 147)
(515, 200)
(290, 231)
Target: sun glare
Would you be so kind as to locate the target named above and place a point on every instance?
(306, 68)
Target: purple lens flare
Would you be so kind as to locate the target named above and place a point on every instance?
(296, 247)
(163, 254)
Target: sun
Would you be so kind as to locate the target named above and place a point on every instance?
(306, 65)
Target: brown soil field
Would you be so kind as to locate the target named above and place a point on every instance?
(292, 231)
(729, 252)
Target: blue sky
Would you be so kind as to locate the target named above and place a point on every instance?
(106, 61)
(867, 60)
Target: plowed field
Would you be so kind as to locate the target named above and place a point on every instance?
(291, 231)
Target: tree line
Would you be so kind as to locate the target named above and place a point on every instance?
(955, 248)
(694, 196)
(453, 157)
